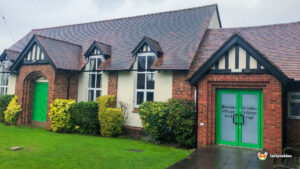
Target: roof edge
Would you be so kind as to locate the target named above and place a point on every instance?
(128, 17)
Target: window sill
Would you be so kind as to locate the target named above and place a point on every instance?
(135, 110)
(294, 118)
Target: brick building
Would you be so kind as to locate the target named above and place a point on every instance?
(245, 81)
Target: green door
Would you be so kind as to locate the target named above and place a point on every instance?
(40, 101)
(239, 117)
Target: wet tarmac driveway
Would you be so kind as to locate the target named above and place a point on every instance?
(223, 157)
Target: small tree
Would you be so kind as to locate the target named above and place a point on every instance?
(11, 114)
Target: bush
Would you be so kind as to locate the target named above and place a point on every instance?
(182, 121)
(154, 116)
(12, 112)
(85, 116)
(111, 119)
(112, 122)
(60, 115)
(4, 101)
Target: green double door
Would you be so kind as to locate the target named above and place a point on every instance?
(239, 118)
(40, 102)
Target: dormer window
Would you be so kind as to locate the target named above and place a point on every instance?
(145, 52)
(94, 82)
(145, 78)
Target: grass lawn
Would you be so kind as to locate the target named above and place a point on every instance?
(43, 149)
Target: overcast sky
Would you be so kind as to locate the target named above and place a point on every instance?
(24, 15)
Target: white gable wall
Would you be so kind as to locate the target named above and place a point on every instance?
(232, 60)
(214, 22)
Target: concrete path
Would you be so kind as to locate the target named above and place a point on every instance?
(223, 157)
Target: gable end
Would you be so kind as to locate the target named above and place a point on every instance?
(231, 59)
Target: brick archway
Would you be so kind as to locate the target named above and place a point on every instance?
(27, 100)
(26, 78)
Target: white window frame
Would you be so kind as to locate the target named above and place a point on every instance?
(290, 100)
(4, 65)
(95, 89)
(146, 54)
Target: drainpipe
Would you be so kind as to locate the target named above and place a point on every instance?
(68, 88)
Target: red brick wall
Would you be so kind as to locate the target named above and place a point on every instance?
(61, 85)
(25, 85)
(272, 108)
(57, 88)
(112, 83)
(181, 87)
(293, 133)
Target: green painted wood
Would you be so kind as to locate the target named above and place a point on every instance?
(40, 102)
(238, 139)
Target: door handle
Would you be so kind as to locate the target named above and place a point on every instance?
(234, 119)
(243, 118)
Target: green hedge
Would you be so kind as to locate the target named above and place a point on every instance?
(11, 114)
(154, 116)
(111, 119)
(182, 121)
(4, 101)
(172, 121)
(112, 122)
(85, 117)
(60, 116)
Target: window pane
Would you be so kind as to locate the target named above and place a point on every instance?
(98, 83)
(99, 61)
(140, 81)
(150, 96)
(295, 97)
(141, 63)
(90, 95)
(140, 98)
(98, 93)
(150, 80)
(92, 64)
(92, 80)
(5, 91)
(294, 109)
(6, 80)
(150, 60)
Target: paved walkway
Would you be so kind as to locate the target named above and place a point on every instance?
(223, 157)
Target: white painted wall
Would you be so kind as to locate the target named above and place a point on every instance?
(163, 85)
(242, 60)
(83, 85)
(214, 22)
(126, 91)
(11, 84)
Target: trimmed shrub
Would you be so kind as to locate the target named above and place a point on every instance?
(154, 116)
(111, 119)
(105, 102)
(85, 117)
(111, 122)
(4, 101)
(11, 114)
(60, 115)
(182, 121)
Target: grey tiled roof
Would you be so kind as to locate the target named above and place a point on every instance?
(178, 33)
(279, 44)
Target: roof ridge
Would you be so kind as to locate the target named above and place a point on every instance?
(102, 43)
(129, 17)
(258, 26)
(42, 36)
(12, 50)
